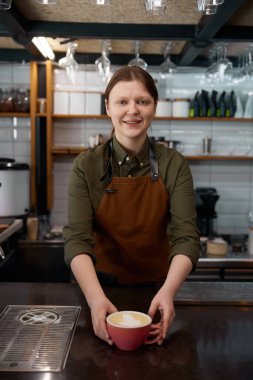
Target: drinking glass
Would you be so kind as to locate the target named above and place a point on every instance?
(137, 61)
(156, 7)
(5, 4)
(103, 63)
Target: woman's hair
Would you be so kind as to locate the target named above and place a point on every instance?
(130, 73)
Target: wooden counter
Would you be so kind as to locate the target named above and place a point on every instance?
(204, 342)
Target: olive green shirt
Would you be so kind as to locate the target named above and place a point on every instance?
(86, 189)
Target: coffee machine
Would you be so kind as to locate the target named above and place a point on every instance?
(206, 198)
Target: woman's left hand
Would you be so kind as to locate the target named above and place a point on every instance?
(163, 302)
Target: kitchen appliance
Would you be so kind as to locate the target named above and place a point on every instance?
(14, 188)
(206, 198)
(36, 338)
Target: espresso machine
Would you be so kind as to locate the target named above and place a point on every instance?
(206, 198)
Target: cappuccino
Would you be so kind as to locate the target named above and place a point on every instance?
(129, 319)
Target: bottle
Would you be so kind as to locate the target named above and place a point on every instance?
(250, 238)
(213, 104)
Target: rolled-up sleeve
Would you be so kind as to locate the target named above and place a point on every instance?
(78, 232)
(183, 231)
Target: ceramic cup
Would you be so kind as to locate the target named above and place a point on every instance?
(129, 330)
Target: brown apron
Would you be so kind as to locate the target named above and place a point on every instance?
(131, 228)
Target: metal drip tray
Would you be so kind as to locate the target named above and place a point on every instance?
(215, 293)
(36, 338)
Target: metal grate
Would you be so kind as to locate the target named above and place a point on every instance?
(226, 293)
(36, 338)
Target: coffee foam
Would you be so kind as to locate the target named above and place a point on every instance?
(129, 319)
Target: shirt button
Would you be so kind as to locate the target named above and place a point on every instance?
(129, 175)
(119, 162)
(141, 164)
(127, 158)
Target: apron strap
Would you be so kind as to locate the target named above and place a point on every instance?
(153, 162)
(108, 166)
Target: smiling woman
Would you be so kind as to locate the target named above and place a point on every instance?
(124, 196)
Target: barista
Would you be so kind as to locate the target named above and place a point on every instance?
(131, 207)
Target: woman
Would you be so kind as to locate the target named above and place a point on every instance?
(131, 207)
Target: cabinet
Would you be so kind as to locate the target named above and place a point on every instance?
(48, 120)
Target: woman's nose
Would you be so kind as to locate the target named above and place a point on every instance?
(132, 109)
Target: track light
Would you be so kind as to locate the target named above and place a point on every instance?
(43, 46)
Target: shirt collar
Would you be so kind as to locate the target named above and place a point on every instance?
(120, 154)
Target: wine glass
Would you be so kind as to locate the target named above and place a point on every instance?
(103, 63)
(69, 63)
(137, 61)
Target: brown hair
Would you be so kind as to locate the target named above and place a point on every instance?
(130, 73)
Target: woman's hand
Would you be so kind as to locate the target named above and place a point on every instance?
(100, 308)
(162, 302)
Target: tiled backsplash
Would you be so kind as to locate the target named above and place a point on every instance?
(232, 179)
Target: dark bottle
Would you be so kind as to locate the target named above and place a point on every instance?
(196, 105)
(222, 106)
(213, 104)
(205, 109)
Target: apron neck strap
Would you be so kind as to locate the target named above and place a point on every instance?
(108, 166)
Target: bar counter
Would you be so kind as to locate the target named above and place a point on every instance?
(205, 342)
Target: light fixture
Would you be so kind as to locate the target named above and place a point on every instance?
(69, 63)
(5, 5)
(49, 2)
(156, 7)
(44, 47)
(101, 2)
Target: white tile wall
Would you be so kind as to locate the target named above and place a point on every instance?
(232, 179)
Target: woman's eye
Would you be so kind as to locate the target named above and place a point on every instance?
(143, 101)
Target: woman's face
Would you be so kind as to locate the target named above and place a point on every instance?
(131, 109)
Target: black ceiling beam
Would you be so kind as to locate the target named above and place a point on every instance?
(18, 26)
(16, 55)
(230, 33)
(112, 31)
(208, 27)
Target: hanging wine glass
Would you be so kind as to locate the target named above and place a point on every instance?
(137, 61)
(69, 63)
(167, 67)
(220, 65)
(103, 63)
(155, 7)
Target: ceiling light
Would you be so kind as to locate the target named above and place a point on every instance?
(5, 4)
(44, 47)
(50, 2)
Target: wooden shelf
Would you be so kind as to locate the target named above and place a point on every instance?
(64, 150)
(14, 114)
(68, 116)
(220, 158)
(208, 119)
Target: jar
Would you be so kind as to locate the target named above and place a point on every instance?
(164, 108)
(180, 107)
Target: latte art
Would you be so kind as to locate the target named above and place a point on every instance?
(129, 319)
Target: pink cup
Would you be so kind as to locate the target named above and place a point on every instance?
(129, 330)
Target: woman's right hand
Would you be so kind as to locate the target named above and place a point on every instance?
(100, 308)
